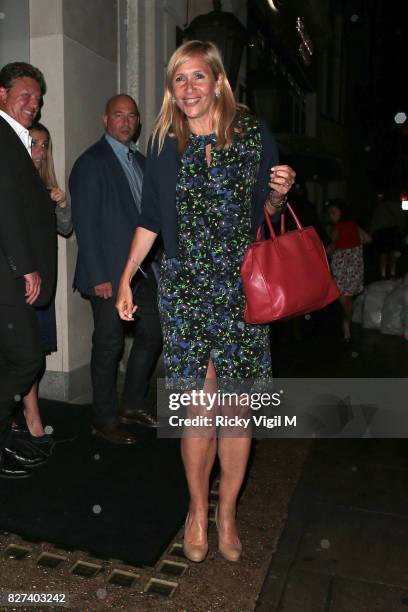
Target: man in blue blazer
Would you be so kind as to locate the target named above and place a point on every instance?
(106, 186)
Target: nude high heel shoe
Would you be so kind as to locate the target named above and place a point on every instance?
(194, 552)
(230, 552)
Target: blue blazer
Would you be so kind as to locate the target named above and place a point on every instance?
(104, 216)
(159, 188)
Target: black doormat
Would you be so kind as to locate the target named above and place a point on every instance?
(108, 500)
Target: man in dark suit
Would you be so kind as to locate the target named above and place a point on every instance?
(105, 186)
(27, 253)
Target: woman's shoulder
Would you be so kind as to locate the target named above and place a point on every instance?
(250, 125)
(245, 121)
(155, 151)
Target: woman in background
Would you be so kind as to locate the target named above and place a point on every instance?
(347, 261)
(41, 153)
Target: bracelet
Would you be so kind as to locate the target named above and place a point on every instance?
(279, 204)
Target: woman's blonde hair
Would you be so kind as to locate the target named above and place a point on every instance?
(46, 170)
(173, 122)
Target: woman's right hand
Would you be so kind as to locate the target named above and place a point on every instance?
(58, 196)
(124, 303)
(142, 242)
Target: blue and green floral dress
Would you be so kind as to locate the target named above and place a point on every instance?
(201, 300)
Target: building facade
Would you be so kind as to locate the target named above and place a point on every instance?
(88, 51)
(302, 62)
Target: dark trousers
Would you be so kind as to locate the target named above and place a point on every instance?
(107, 346)
(21, 360)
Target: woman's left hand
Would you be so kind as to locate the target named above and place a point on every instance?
(282, 180)
(58, 196)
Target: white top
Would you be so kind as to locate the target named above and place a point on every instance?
(20, 130)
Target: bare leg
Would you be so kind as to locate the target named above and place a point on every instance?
(198, 457)
(32, 412)
(346, 302)
(233, 454)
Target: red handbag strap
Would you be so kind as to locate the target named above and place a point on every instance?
(269, 223)
(270, 226)
(292, 212)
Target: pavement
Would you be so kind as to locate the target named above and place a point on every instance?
(344, 547)
(345, 544)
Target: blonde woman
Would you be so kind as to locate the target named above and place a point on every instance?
(41, 153)
(42, 156)
(210, 169)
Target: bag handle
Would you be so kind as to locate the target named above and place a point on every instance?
(270, 226)
(268, 221)
(292, 212)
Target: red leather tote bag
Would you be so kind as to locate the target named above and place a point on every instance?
(287, 275)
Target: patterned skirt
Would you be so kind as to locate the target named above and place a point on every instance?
(197, 325)
(348, 270)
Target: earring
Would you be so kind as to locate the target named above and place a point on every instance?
(218, 94)
(173, 99)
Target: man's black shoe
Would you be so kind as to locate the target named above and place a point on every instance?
(114, 433)
(29, 461)
(11, 469)
(137, 417)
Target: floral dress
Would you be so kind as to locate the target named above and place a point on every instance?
(200, 294)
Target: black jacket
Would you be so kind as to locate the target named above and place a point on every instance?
(28, 238)
(159, 188)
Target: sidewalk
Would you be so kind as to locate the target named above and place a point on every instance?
(345, 544)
